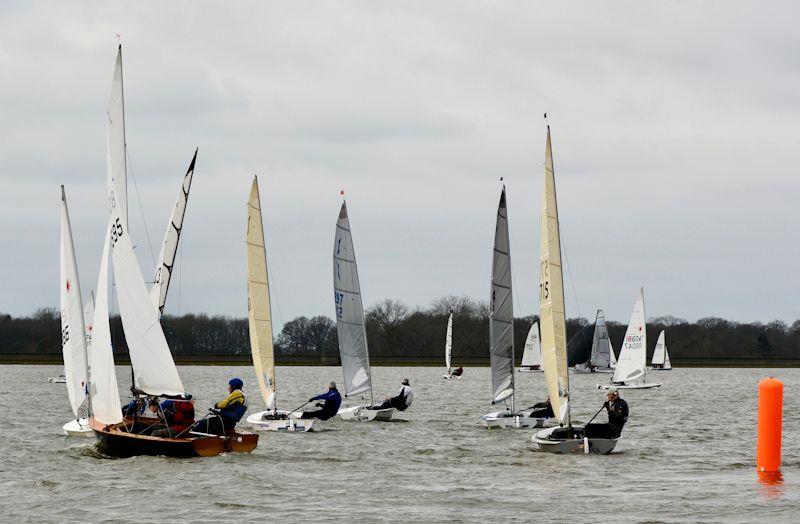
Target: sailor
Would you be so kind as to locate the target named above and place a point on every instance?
(617, 410)
(457, 372)
(402, 401)
(543, 410)
(329, 409)
(226, 413)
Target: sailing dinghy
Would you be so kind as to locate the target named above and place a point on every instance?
(259, 320)
(73, 331)
(600, 357)
(660, 361)
(153, 370)
(350, 329)
(564, 438)
(448, 350)
(631, 370)
(501, 334)
(532, 353)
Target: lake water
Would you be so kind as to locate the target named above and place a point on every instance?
(687, 454)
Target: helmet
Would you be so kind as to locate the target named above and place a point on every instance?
(236, 383)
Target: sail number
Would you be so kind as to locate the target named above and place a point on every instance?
(339, 299)
(544, 280)
(116, 232)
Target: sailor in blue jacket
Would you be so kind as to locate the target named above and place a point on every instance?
(331, 406)
(226, 413)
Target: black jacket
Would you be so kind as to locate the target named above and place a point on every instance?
(617, 413)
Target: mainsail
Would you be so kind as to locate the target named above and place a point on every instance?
(116, 172)
(551, 297)
(658, 352)
(601, 347)
(350, 328)
(612, 356)
(73, 331)
(532, 354)
(448, 343)
(154, 370)
(632, 357)
(501, 311)
(259, 315)
(88, 320)
(166, 259)
(104, 394)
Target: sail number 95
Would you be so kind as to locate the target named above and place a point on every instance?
(116, 232)
(339, 299)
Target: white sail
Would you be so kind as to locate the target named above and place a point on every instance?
(448, 343)
(166, 259)
(551, 297)
(658, 352)
(501, 310)
(259, 315)
(73, 332)
(350, 328)
(667, 363)
(105, 403)
(88, 320)
(154, 370)
(601, 344)
(632, 357)
(532, 354)
(116, 171)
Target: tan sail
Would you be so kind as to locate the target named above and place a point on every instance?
(259, 314)
(551, 297)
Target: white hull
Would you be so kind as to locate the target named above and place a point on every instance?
(448, 377)
(363, 414)
(596, 370)
(560, 440)
(505, 420)
(78, 428)
(57, 380)
(259, 423)
(660, 369)
(646, 385)
(530, 370)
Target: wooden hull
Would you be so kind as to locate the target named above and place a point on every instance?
(115, 441)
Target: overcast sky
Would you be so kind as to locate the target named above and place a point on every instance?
(676, 134)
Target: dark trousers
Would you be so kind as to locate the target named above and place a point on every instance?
(602, 431)
(542, 413)
(321, 414)
(214, 425)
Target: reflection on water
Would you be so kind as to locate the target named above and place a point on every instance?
(687, 455)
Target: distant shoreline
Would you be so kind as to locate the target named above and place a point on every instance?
(314, 360)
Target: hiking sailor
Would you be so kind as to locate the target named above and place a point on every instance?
(401, 402)
(226, 413)
(617, 417)
(329, 409)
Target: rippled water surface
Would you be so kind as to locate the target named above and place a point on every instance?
(687, 454)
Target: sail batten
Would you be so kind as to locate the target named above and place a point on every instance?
(501, 310)
(73, 329)
(169, 247)
(350, 329)
(552, 317)
(258, 302)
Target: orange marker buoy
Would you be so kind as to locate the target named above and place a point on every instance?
(770, 422)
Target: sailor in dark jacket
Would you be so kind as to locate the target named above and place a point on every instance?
(617, 410)
(401, 401)
(543, 410)
(331, 406)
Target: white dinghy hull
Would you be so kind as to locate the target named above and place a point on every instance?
(263, 421)
(530, 370)
(507, 420)
(364, 414)
(448, 377)
(78, 428)
(561, 440)
(647, 385)
(589, 372)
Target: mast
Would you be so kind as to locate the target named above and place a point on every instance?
(501, 310)
(552, 317)
(259, 312)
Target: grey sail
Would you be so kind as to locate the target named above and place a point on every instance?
(349, 311)
(501, 311)
(601, 353)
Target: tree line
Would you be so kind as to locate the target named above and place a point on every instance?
(397, 333)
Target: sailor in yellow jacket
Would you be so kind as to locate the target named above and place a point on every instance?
(226, 413)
